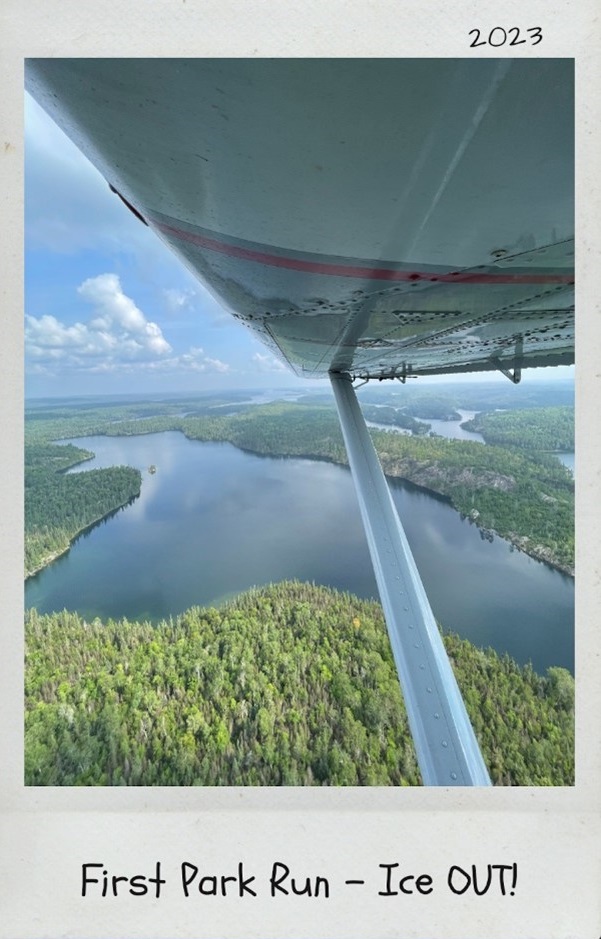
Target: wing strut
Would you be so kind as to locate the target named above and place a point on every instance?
(445, 743)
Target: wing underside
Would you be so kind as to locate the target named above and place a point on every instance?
(383, 320)
(379, 217)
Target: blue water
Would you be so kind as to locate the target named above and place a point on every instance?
(214, 521)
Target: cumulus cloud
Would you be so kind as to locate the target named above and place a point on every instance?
(198, 361)
(177, 300)
(119, 332)
(194, 360)
(119, 316)
(118, 338)
(268, 363)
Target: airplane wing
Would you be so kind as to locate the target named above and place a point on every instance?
(379, 217)
(368, 219)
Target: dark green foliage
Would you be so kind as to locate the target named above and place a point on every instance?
(397, 417)
(53, 457)
(58, 506)
(527, 498)
(531, 429)
(289, 685)
(433, 406)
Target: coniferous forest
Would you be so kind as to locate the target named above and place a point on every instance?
(541, 429)
(287, 685)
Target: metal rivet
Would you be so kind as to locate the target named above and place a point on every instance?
(444, 743)
(437, 716)
(453, 775)
(429, 690)
(422, 667)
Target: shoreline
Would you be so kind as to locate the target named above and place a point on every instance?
(520, 542)
(51, 558)
(48, 560)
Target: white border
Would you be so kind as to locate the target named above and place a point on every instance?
(45, 835)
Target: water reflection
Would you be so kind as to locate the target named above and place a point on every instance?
(214, 521)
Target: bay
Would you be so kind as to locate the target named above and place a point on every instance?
(453, 429)
(214, 521)
(568, 459)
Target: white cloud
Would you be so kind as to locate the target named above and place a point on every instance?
(119, 316)
(177, 300)
(49, 340)
(268, 363)
(118, 332)
(194, 360)
(118, 338)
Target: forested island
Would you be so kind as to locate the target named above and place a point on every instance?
(396, 417)
(542, 429)
(291, 684)
(523, 495)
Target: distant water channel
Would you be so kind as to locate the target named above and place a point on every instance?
(214, 521)
(451, 429)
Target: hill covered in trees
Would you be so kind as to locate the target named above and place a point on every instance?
(287, 685)
(532, 429)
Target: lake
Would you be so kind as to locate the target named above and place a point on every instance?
(214, 521)
(454, 431)
(450, 429)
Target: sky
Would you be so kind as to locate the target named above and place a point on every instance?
(109, 309)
